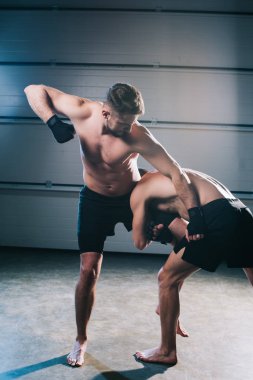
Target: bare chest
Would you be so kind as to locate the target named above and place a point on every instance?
(106, 150)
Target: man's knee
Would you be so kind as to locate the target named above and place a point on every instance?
(249, 274)
(168, 279)
(90, 266)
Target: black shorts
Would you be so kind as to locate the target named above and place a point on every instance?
(229, 237)
(97, 217)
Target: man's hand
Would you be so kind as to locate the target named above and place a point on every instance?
(62, 132)
(158, 232)
(196, 227)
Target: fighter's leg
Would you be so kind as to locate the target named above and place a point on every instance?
(170, 276)
(246, 232)
(178, 230)
(180, 329)
(90, 268)
(249, 274)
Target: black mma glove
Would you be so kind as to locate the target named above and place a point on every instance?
(161, 217)
(197, 223)
(164, 237)
(62, 132)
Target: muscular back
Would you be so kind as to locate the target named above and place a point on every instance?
(158, 191)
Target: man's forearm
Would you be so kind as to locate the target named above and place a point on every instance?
(140, 216)
(39, 101)
(139, 236)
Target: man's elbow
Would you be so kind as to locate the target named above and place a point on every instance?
(140, 244)
(31, 88)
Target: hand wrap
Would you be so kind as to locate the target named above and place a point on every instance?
(161, 217)
(62, 132)
(196, 224)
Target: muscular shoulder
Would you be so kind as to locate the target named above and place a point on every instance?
(85, 108)
(139, 194)
(155, 181)
(140, 131)
(81, 107)
(144, 189)
(144, 141)
(156, 185)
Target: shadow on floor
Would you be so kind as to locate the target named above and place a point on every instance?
(141, 373)
(19, 372)
(106, 373)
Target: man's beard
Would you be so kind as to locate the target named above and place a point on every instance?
(114, 133)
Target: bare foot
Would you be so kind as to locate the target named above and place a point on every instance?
(155, 355)
(158, 310)
(180, 329)
(76, 357)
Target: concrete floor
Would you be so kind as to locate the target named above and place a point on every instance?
(38, 328)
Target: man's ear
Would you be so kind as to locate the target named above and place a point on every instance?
(105, 112)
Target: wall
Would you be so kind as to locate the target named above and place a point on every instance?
(195, 73)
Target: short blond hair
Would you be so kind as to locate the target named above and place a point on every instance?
(125, 98)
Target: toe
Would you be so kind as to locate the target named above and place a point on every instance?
(139, 355)
(79, 362)
(71, 361)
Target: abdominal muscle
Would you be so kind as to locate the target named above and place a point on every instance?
(109, 180)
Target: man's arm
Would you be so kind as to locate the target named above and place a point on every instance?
(47, 102)
(140, 215)
(155, 153)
